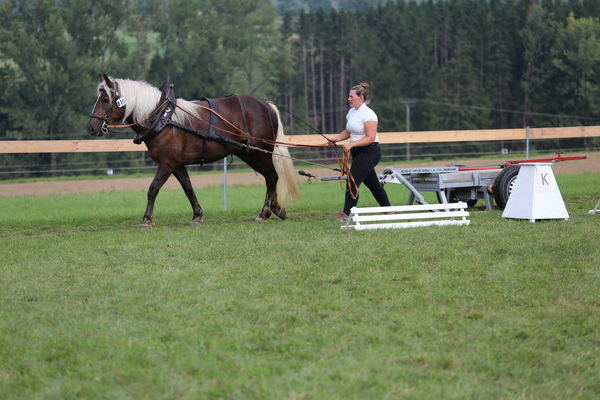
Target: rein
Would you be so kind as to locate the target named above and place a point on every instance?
(242, 134)
(310, 127)
(343, 162)
(122, 126)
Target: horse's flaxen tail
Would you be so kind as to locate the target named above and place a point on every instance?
(287, 186)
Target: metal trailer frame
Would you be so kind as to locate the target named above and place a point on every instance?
(453, 183)
(449, 183)
(456, 183)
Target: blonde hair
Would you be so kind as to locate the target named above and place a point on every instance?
(362, 90)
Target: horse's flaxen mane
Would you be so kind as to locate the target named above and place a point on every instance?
(141, 99)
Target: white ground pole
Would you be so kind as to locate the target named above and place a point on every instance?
(596, 209)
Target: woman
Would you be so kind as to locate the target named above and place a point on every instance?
(361, 128)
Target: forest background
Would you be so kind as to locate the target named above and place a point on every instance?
(458, 64)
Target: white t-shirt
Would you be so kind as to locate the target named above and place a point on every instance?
(356, 122)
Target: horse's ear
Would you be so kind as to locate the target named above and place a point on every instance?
(106, 79)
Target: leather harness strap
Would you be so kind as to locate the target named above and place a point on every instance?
(209, 136)
(164, 112)
(212, 131)
(244, 121)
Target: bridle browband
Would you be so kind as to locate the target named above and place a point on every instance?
(118, 103)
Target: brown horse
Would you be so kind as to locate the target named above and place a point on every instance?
(257, 125)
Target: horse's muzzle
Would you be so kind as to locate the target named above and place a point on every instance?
(97, 129)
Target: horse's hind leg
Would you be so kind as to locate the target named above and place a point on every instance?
(184, 179)
(270, 204)
(263, 164)
(161, 176)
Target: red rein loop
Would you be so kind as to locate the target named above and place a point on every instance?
(343, 162)
(122, 126)
(345, 170)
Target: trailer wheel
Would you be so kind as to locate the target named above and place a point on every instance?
(504, 184)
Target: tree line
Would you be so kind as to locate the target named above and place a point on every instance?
(464, 64)
(460, 64)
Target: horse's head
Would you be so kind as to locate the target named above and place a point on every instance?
(109, 107)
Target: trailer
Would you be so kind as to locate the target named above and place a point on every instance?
(458, 182)
(449, 183)
(462, 183)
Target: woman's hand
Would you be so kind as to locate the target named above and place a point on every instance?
(343, 135)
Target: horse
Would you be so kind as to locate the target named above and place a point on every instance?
(244, 125)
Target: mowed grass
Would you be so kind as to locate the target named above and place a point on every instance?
(92, 307)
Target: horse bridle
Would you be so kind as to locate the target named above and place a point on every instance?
(119, 102)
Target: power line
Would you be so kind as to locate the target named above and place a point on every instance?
(495, 109)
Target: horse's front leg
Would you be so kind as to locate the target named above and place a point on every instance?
(184, 179)
(162, 174)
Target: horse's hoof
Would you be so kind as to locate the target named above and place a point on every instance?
(282, 213)
(260, 219)
(196, 222)
(145, 226)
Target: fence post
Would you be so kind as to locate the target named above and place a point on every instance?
(527, 136)
(225, 188)
(408, 103)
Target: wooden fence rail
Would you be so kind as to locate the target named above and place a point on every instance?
(110, 145)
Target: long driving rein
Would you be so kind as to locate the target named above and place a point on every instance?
(161, 117)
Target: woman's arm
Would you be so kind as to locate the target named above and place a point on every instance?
(343, 135)
(370, 134)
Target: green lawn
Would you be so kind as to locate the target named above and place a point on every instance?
(92, 307)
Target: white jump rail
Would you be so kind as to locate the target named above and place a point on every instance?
(595, 210)
(363, 218)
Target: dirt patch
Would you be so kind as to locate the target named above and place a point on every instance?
(591, 164)
(120, 184)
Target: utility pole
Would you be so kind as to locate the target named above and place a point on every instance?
(408, 103)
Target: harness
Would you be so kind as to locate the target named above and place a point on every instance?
(162, 118)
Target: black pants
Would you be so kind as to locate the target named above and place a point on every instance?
(364, 160)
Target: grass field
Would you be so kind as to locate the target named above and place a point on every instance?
(92, 307)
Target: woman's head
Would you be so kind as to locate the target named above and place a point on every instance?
(361, 90)
(358, 94)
